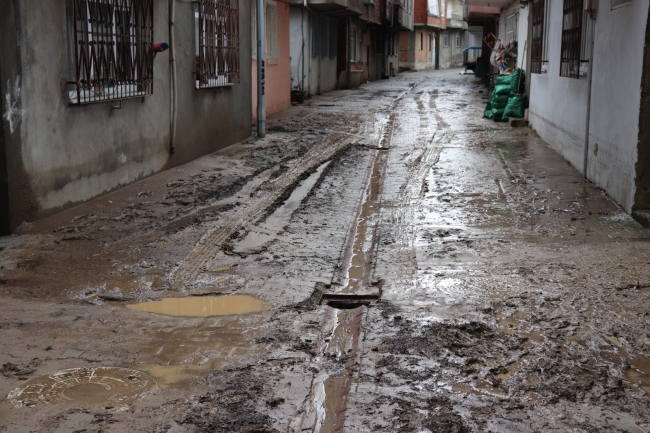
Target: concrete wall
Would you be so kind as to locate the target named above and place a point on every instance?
(558, 105)
(61, 155)
(424, 49)
(316, 74)
(278, 70)
(452, 56)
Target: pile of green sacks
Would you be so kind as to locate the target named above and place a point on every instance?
(508, 98)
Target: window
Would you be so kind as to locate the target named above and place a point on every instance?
(445, 39)
(323, 36)
(333, 41)
(433, 8)
(430, 42)
(421, 41)
(315, 41)
(113, 50)
(538, 46)
(271, 33)
(217, 44)
(458, 38)
(511, 29)
(574, 40)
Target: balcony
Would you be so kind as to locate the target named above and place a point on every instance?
(334, 8)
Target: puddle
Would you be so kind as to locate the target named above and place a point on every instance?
(167, 375)
(268, 230)
(118, 387)
(203, 306)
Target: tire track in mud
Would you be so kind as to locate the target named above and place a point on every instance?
(190, 269)
(264, 197)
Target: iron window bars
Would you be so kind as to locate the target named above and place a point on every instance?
(113, 50)
(538, 49)
(217, 57)
(576, 36)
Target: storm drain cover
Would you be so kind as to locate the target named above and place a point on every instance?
(117, 387)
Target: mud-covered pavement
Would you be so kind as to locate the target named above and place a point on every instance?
(384, 260)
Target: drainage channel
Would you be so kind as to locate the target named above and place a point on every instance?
(348, 298)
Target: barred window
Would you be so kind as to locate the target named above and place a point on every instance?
(112, 49)
(323, 37)
(333, 36)
(217, 43)
(271, 32)
(574, 39)
(539, 44)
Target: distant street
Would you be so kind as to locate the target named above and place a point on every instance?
(384, 260)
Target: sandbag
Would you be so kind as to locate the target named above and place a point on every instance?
(504, 80)
(500, 99)
(488, 110)
(501, 89)
(516, 107)
(497, 115)
(518, 81)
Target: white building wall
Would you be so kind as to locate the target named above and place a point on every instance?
(558, 105)
(616, 99)
(315, 74)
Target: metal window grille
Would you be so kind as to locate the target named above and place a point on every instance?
(113, 50)
(457, 39)
(539, 47)
(217, 61)
(445, 39)
(271, 30)
(333, 38)
(323, 36)
(571, 39)
(315, 41)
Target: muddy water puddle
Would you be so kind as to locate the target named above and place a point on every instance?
(203, 306)
(639, 373)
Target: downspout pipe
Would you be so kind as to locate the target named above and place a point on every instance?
(173, 81)
(261, 98)
(349, 61)
(589, 90)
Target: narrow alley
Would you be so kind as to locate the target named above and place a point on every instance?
(385, 259)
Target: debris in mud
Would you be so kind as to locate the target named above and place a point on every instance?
(94, 386)
(233, 404)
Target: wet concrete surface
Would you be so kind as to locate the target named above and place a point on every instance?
(384, 260)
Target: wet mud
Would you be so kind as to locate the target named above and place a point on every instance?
(384, 260)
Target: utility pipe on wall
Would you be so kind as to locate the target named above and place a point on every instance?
(589, 84)
(173, 81)
(261, 98)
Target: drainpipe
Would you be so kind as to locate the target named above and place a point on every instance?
(173, 82)
(261, 98)
(589, 85)
(349, 63)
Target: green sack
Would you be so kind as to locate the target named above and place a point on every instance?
(504, 80)
(518, 81)
(516, 107)
(501, 89)
(499, 105)
(500, 99)
(497, 115)
(488, 110)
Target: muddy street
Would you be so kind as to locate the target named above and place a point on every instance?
(384, 260)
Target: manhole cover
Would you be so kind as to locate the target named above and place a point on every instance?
(117, 387)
